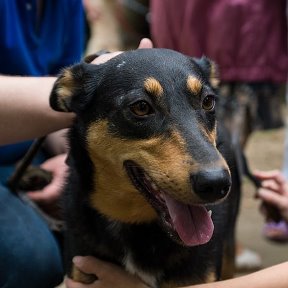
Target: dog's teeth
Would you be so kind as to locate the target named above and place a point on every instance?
(210, 213)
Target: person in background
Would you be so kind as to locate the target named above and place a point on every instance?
(247, 40)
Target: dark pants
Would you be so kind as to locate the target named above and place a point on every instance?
(29, 254)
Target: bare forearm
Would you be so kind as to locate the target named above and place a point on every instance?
(24, 109)
(276, 276)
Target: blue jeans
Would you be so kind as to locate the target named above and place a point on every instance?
(29, 254)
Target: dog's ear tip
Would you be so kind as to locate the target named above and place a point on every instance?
(210, 68)
(71, 90)
(62, 91)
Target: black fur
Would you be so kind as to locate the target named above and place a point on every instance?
(106, 91)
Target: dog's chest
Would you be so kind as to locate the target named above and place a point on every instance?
(130, 266)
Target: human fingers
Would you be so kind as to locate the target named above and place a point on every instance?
(55, 162)
(275, 175)
(48, 194)
(105, 57)
(108, 274)
(271, 185)
(145, 43)
(69, 283)
(92, 265)
(273, 198)
(51, 193)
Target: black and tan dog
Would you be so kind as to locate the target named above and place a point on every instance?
(144, 165)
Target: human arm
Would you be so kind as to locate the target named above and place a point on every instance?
(111, 275)
(25, 112)
(274, 190)
(274, 276)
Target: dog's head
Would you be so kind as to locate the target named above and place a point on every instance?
(147, 121)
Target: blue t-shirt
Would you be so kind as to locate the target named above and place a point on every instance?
(38, 46)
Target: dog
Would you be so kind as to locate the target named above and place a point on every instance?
(147, 167)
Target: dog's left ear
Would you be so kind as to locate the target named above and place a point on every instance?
(210, 69)
(75, 87)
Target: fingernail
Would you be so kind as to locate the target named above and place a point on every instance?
(77, 260)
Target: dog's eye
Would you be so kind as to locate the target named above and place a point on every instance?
(141, 108)
(208, 103)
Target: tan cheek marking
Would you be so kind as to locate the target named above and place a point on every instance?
(115, 195)
(176, 166)
(153, 87)
(165, 160)
(194, 85)
(65, 88)
(211, 135)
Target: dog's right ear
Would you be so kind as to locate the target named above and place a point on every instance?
(74, 87)
(210, 69)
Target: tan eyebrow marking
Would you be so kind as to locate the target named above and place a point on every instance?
(194, 85)
(153, 86)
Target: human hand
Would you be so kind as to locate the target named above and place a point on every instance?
(274, 190)
(56, 143)
(109, 275)
(48, 197)
(145, 43)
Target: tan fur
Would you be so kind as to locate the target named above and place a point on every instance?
(228, 262)
(210, 277)
(210, 135)
(194, 85)
(65, 88)
(153, 87)
(164, 159)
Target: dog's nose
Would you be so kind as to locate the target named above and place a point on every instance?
(211, 185)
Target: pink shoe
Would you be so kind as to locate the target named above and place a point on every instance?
(276, 231)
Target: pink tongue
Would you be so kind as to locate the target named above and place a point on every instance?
(192, 223)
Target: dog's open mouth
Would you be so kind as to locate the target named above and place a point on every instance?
(192, 223)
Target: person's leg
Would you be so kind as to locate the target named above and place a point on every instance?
(29, 254)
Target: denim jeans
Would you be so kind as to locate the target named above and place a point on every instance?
(29, 254)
